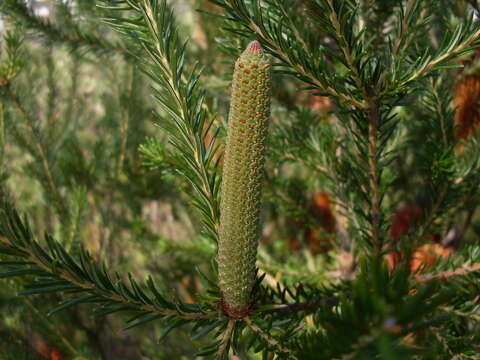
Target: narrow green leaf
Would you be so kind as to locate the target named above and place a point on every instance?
(169, 328)
(143, 321)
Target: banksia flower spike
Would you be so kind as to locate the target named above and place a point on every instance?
(242, 180)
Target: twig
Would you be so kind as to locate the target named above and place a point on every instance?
(302, 71)
(346, 51)
(464, 270)
(296, 66)
(89, 287)
(197, 141)
(438, 60)
(297, 33)
(469, 315)
(125, 121)
(374, 176)
(42, 153)
(405, 37)
(52, 329)
(226, 338)
(271, 341)
(374, 117)
(306, 307)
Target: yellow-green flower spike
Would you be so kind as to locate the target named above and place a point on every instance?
(242, 180)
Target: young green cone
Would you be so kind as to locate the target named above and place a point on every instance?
(242, 180)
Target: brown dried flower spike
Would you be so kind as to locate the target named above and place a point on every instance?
(467, 100)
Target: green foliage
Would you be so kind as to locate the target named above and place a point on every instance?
(363, 110)
(181, 99)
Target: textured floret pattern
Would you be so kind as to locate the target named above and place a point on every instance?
(240, 204)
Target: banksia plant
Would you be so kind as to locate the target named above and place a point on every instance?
(134, 215)
(242, 179)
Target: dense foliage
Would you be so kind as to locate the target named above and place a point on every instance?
(113, 123)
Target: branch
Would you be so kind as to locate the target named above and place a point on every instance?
(464, 270)
(51, 327)
(374, 117)
(344, 45)
(373, 110)
(187, 122)
(271, 341)
(306, 307)
(66, 274)
(405, 36)
(42, 154)
(276, 48)
(223, 348)
(452, 50)
(299, 68)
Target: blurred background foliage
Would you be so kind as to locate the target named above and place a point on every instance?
(73, 115)
(81, 154)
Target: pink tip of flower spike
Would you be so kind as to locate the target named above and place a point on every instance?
(254, 47)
